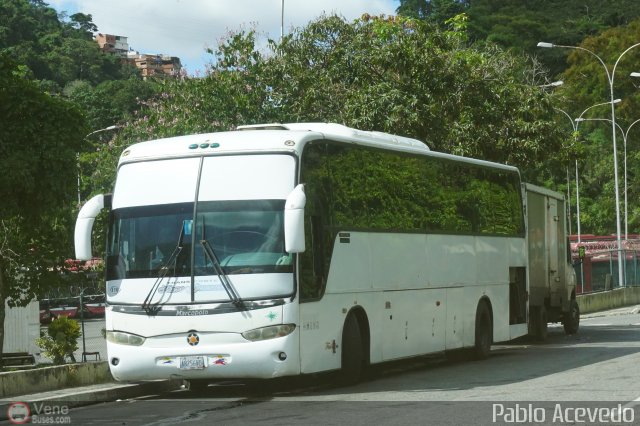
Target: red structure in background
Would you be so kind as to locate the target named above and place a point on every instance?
(95, 309)
(73, 265)
(600, 258)
(93, 302)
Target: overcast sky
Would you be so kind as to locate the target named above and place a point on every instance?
(184, 28)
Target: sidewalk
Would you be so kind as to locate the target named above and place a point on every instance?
(627, 310)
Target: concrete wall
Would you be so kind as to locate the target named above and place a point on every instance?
(25, 382)
(604, 300)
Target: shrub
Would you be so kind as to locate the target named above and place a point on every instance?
(60, 340)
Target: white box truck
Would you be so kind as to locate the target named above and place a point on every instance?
(552, 279)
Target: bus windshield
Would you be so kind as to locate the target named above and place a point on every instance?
(246, 237)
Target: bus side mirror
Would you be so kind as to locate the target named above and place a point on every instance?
(84, 225)
(294, 220)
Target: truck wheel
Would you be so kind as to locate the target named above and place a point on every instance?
(571, 318)
(352, 352)
(484, 332)
(541, 323)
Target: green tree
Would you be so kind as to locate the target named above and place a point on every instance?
(521, 24)
(435, 11)
(406, 76)
(419, 9)
(84, 24)
(55, 48)
(396, 75)
(112, 101)
(39, 138)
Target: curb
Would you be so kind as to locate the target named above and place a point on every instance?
(93, 394)
(53, 377)
(630, 310)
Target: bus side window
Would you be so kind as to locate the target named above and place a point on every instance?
(317, 239)
(312, 268)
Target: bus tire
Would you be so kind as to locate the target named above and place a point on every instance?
(484, 332)
(352, 366)
(571, 318)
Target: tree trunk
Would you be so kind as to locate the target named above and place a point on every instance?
(3, 292)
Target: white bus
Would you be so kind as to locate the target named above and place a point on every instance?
(281, 250)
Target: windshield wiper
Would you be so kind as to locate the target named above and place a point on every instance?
(217, 266)
(150, 308)
(222, 276)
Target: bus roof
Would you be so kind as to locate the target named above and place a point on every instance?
(264, 138)
(274, 137)
(339, 131)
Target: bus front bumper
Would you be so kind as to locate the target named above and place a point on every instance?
(236, 358)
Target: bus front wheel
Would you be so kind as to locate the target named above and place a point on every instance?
(352, 352)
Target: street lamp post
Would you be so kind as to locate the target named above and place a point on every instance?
(281, 20)
(610, 79)
(113, 127)
(575, 130)
(574, 125)
(552, 84)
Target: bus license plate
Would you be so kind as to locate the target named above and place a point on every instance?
(191, 363)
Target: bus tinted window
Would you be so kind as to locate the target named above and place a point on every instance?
(352, 187)
(246, 236)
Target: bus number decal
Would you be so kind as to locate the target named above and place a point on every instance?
(309, 325)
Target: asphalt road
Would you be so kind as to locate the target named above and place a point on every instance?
(593, 375)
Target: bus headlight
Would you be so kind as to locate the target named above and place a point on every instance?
(271, 332)
(122, 338)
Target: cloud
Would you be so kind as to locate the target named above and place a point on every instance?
(184, 28)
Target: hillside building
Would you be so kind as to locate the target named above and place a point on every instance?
(150, 65)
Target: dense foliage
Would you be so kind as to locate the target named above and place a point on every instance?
(586, 84)
(520, 24)
(55, 50)
(410, 78)
(606, 28)
(39, 138)
(397, 75)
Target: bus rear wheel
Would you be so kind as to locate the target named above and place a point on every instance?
(484, 332)
(352, 352)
